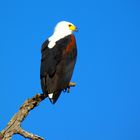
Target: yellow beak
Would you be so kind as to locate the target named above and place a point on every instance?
(73, 28)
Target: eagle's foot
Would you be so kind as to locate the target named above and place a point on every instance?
(68, 90)
(71, 84)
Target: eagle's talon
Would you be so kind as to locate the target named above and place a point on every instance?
(72, 84)
(68, 91)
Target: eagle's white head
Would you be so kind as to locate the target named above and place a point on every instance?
(65, 28)
(62, 29)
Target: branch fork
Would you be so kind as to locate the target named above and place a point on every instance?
(14, 125)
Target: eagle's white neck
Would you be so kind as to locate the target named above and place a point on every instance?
(57, 35)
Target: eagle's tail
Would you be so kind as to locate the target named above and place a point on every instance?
(54, 96)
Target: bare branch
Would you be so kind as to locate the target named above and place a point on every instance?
(28, 135)
(14, 125)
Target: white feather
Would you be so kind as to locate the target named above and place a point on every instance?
(61, 30)
(50, 95)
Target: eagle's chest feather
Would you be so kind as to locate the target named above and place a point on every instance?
(71, 45)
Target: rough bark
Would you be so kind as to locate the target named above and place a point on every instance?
(14, 125)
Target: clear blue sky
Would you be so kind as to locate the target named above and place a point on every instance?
(105, 104)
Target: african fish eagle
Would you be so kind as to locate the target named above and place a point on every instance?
(59, 54)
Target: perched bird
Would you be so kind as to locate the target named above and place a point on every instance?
(59, 53)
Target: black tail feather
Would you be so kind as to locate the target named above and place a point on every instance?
(55, 97)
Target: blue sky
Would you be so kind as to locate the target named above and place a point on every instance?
(105, 103)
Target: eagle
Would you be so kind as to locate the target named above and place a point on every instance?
(59, 53)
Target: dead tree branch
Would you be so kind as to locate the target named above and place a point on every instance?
(14, 125)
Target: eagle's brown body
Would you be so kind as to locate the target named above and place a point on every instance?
(57, 66)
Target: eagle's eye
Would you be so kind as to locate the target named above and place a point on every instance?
(70, 25)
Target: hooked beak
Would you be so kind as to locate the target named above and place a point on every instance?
(73, 28)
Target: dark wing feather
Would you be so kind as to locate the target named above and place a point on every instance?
(57, 66)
